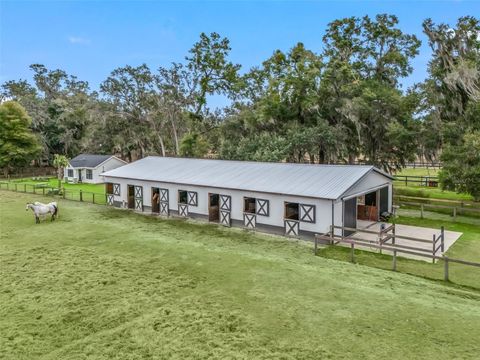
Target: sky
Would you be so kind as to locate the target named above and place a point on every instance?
(91, 38)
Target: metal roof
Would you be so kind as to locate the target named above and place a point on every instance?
(88, 160)
(310, 180)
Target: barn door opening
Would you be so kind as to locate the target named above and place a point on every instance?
(367, 206)
(213, 207)
(131, 197)
(155, 200)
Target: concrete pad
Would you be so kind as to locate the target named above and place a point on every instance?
(409, 231)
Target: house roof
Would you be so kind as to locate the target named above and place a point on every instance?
(310, 180)
(88, 160)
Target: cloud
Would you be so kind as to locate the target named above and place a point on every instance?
(78, 40)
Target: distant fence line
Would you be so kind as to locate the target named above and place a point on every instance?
(428, 181)
(46, 171)
(40, 189)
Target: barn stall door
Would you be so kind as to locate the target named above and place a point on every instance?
(292, 227)
(225, 209)
(250, 220)
(164, 205)
(138, 195)
(183, 210)
(110, 199)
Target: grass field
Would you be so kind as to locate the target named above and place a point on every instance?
(418, 172)
(102, 283)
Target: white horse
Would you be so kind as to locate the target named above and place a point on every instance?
(41, 210)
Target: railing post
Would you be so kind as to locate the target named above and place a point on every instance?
(433, 248)
(352, 255)
(81, 195)
(421, 211)
(445, 268)
(316, 246)
(24, 188)
(442, 234)
(15, 187)
(454, 213)
(93, 198)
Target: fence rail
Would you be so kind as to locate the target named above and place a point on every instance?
(438, 244)
(68, 194)
(427, 181)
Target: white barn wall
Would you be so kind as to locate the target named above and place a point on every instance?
(323, 208)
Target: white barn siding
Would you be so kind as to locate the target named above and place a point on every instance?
(323, 208)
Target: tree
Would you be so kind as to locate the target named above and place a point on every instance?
(193, 145)
(18, 145)
(210, 69)
(461, 169)
(60, 162)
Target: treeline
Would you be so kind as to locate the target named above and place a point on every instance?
(343, 104)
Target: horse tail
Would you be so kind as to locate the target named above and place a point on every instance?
(55, 210)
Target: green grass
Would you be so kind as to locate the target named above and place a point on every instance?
(53, 182)
(430, 192)
(102, 283)
(418, 172)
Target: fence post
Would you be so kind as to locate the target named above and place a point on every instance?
(332, 229)
(421, 211)
(64, 192)
(445, 268)
(433, 248)
(24, 188)
(7, 186)
(316, 245)
(15, 187)
(93, 197)
(406, 180)
(81, 195)
(454, 213)
(43, 190)
(34, 189)
(442, 234)
(352, 256)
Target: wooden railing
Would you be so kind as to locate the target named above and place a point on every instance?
(389, 235)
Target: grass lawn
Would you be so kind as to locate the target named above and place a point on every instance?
(428, 192)
(53, 182)
(418, 172)
(103, 283)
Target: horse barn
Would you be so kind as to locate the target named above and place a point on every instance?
(282, 198)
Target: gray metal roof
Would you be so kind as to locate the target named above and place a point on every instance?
(310, 180)
(88, 160)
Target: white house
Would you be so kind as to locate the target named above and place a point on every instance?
(87, 167)
(282, 198)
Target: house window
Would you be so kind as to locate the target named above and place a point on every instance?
(89, 174)
(70, 173)
(182, 197)
(292, 211)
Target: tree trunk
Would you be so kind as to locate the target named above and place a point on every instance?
(162, 145)
(175, 137)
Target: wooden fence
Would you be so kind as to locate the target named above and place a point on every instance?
(427, 181)
(452, 207)
(45, 190)
(386, 241)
